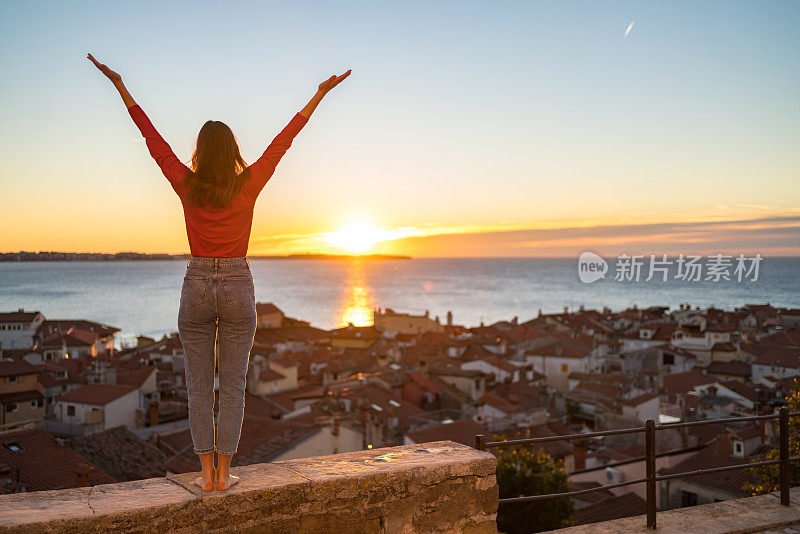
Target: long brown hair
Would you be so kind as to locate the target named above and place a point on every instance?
(218, 170)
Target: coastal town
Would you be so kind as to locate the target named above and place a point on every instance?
(79, 411)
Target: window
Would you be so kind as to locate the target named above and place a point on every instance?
(12, 407)
(12, 379)
(668, 359)
(35, 403)
(70, 410)
(688, 499)
(564, 367)
(13, 446)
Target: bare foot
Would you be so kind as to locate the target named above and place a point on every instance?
(205, 485)
(223, 484)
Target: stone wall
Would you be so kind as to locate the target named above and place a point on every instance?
(430, 487)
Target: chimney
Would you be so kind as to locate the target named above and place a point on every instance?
(515, 320)
(579, 452)
(566, 310)
(449, 318)
(153, 413)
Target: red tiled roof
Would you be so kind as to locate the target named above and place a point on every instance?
(559, 349)
(662, 332)
(135, 377)
(286, 360)
(178, 465)
(9, 367)
(521, 394)
(683, 382)
(43, 463)
(499, 403)
(716, 454)
(735, 368)
(720, 328)
(51, 326)
(356, 332)
(269, 374)
(615, 379)
(592, 497)
(461, 431)
(267, 307)
(556, 449)
(639, 400)
(745, 390)
(261, 440)
(369, 394)
(609, 391)
(285, 399)
(500, 363)
(475, 351)
(20, 316)
(747, 433)
(783, 338)
(123, 455)
(769, 354)
(625, 505)
(96, 394)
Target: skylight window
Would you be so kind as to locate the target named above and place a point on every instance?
(13, 446)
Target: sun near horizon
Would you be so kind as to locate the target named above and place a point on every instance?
(357, 237)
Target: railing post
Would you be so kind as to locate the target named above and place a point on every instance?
(784, 449)
(480, 442)
(650, 464)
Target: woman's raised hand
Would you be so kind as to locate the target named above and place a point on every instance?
(113, 76)
(332, 82)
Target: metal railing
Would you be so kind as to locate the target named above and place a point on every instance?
(651, 477)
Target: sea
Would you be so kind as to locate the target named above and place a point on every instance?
(142, 297)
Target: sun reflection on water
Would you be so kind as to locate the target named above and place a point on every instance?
(357, 302)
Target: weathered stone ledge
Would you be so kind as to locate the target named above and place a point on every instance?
(739, 516)
(430, 487)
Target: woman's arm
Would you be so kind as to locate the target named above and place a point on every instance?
(263, 168)
(162, 153)
(323, 90)
(116, 79)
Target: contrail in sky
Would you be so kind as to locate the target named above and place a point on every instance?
(630, 27)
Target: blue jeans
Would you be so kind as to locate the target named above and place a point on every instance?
(217, 321)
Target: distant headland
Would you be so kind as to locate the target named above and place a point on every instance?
(138, 256)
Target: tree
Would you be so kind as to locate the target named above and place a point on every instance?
(527, 470)
(767, 478)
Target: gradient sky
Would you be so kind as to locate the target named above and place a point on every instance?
(466, 128)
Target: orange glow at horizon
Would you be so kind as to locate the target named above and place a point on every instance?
(357, 237)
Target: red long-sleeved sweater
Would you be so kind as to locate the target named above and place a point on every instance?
(217, 232)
